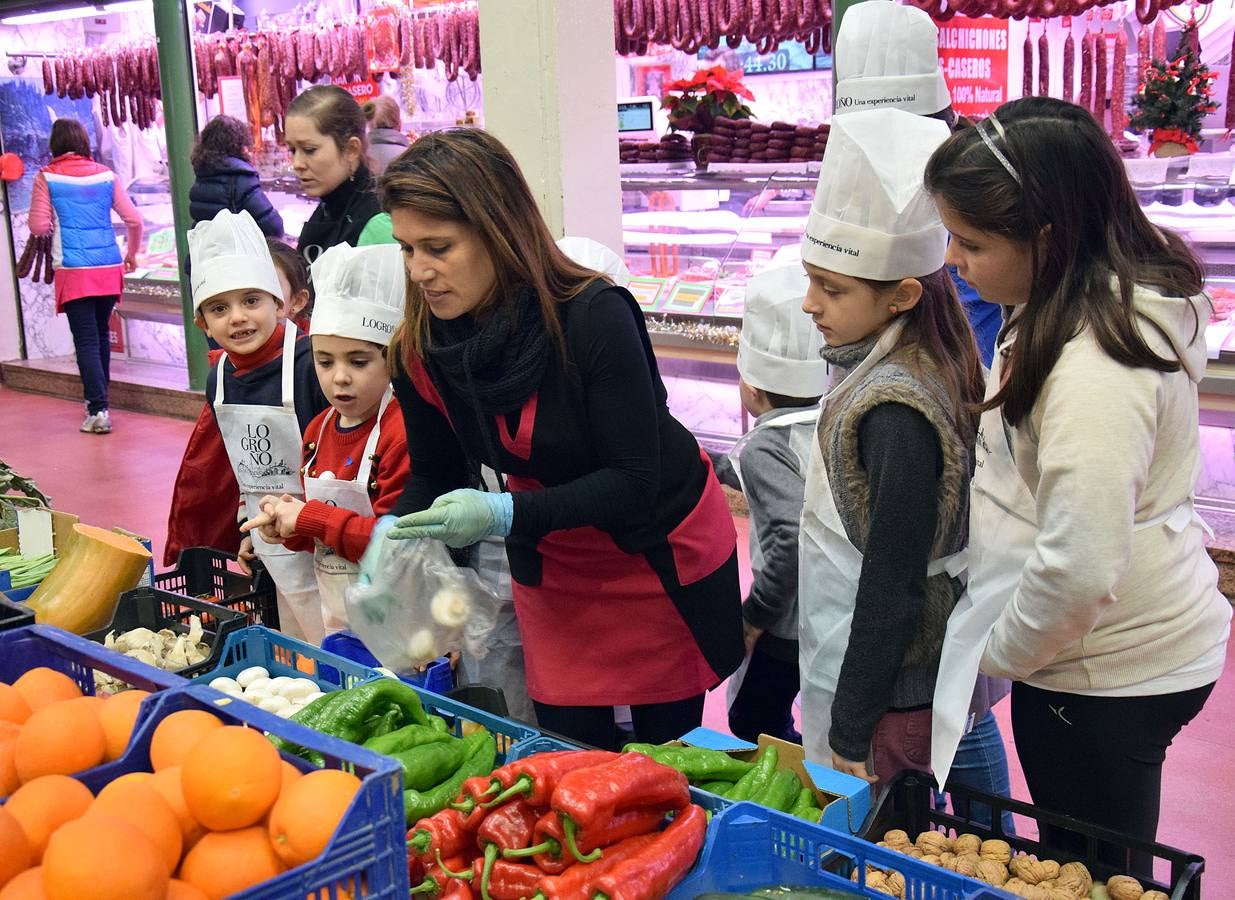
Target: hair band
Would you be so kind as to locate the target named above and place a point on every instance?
(998, 154)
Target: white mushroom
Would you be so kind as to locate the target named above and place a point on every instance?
(251, 674)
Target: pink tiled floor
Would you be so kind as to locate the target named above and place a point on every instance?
(126, 479)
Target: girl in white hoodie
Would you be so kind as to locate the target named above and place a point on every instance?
(1085, 551)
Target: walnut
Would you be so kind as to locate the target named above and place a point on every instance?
(915, 852)
(1075, 877)
(885, 845)
(932, 842)
(896, 881)
(931, 858)
(1059, 893)
(967, 865)
(991, 872)
(1154, 895)
(875, 878)
(948, 860)
(996, 851)
(967, 843)
(1032, 870)
(1015, 886)
(1123, 887)
(1036, 892)
(897, 839)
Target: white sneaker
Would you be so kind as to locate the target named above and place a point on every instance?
(87, 427)
(102, 422)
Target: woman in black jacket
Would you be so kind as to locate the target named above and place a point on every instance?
(226, 178)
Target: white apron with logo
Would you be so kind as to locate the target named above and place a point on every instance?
(756, 550)
(829, 567)
(264, 446)
(334, 573)
(1003, 528)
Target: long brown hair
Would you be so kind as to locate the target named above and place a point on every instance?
(1080, 219)
(334, 112)
(466, 175)
(937, 327)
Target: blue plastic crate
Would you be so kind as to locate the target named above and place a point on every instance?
(750, 847)
(283, 655)
(437, 676)
(21, 595)
(367, 856)
(12, 614)
(23, 649)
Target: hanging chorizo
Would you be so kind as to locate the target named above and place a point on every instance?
(1119, 74)
(1044, 65)
(1069, 68)
(1099, 78)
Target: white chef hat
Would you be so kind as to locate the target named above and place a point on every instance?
(595, 255)
(888, 55)
(358, 292)
(229, 253)
(871, 217)
(779, 347)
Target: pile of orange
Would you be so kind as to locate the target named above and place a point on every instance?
(218, 813)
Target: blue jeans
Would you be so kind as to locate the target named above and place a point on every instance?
(88, 320)
(982, 764)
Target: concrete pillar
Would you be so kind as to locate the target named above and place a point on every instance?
(550, 92)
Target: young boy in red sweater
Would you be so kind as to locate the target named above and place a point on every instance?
(355, 460)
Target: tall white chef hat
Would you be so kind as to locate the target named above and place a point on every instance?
(358, 292)
(888, 55)
(779, 347)
(871, 217)
(229, 253)
(595, 255)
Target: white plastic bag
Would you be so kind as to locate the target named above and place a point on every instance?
(419, 606)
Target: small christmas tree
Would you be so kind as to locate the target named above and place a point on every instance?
(1176, 96)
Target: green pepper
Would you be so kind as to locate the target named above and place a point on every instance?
(781, 791)
(429, 765)
(406, 738)
(696, 763)
(757, 778)
(309, 717)
(349, 718)
(481, 755)
(384, 724)
(805, 807)
(440, 724)
(721, 788)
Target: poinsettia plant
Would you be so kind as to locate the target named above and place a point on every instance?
(694, 102)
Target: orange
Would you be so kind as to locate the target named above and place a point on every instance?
(9, 781)
(176, 735)
(59, 739)
(42, 686)
(15, 853)
(225, 862)
(305, 817)
(167, 783)
(127, 778)
(13, 706)
(231, 778)
(144, 808)
(117, 718)
(43, 805)
(182, 890)
(26, 886)
(103, 858)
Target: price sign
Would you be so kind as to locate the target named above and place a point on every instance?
(646, 291)
(162, 241)
(974, 56)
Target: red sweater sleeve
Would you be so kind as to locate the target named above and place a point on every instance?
(345, 530)
(40, 206)
(130, 216)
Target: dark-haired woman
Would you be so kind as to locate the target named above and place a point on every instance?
(325, 131)
(226, 178)
(1087, 560)
(622, 550)
(72, 199)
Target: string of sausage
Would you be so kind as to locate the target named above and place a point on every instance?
(1119, 109)
(1044, 65)
(1099, 78)
(1069, 68)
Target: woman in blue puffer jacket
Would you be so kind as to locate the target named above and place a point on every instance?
(226, 178)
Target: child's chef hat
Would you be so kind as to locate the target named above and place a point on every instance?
(779, 347)
(359, 292)
(871, 217)
(888, 55)
(229, 253)
(595, 255)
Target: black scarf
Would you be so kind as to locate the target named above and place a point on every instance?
(848, 356)
(498, 364)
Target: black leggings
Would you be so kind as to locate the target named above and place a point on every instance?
(595, 726)
(1099, 759)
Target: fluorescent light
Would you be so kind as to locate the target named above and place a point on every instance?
(77, 12)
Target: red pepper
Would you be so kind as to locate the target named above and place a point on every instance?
(657, 867)
(442, 832)
(536, 777)
(589, 798)
(436, 880)
(548, 851)
(502, 880)
(473, 791)
(508, 828)
(579, 881)
(457, 890)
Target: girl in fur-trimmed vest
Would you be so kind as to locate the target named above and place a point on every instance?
(886, 509)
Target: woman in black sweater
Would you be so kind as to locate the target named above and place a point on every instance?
(621, 546)
(226, 178)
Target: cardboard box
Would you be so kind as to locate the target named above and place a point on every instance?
(844, 799)
(34, 525)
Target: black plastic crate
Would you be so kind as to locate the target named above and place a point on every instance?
(151, 608)
(908, 805)
(204, 571)
(14, 615)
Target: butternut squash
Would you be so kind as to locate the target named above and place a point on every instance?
(81, 593)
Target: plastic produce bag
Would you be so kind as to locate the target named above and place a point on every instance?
(420, 606)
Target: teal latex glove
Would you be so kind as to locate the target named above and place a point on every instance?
(373, 553)
(459, 518)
